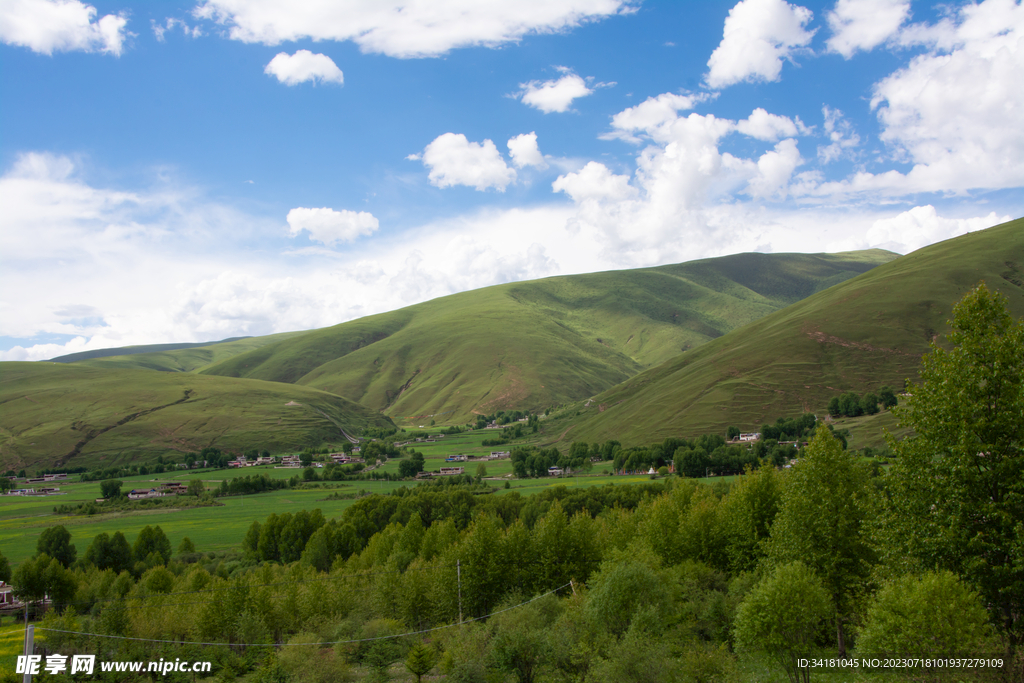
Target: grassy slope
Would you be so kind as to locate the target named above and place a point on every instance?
(540, 343)
(46, 409)
(858, 335)
(189, 359)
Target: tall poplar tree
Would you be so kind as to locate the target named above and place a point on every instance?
(821, 522)
(955, 493)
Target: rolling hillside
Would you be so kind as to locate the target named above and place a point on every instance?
(866, 332)
(540, 343)
(171, 357)
(56, 414)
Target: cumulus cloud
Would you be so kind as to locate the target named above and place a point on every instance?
(954, 111)
(651, 115)
(758, 35)
(304, 66)
(454, 160)
(769, 127)
(556, 95)
(774, 169)
(48, 26)
(524, 151)
(328, 226)
(922, 226)
(399, 28)
(679, 178)
(864, 24)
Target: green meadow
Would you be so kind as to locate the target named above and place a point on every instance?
(866, 332)
(70, 415)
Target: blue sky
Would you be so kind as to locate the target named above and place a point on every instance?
(199, 170)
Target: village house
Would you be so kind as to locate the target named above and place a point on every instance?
(447, 471)
(752, 436)
(138, 494)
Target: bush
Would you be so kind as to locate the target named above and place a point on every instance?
(934, 614)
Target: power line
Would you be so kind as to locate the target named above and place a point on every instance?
(330, 642)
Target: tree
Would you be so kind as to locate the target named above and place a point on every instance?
(820, 522)
(869, 404)
(5, 569)
(732, 433)
(152, 540)
(955, 493)
(111, 488)
(56, 542)
(196, 488)
(887, 397)
(420, 661)
(186, 547)
(481, 471)
(931, 615)
(783, 615)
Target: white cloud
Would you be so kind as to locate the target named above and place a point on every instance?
(400, 28)
(46, 26)
(842, 138)
(304, 66)
(328, 226)
(554, 96)
(454, 160)
(955, 111)
(651, 115)
(758, 35)
(764, 126)
(524, 151)
(774, 169)
(864, 24)
(159, 30)
(922, 226)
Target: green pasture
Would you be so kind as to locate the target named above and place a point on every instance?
(76, 415)
(868, 331)
(540, 343)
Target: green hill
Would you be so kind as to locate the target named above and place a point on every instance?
(866, 332)
(171, 357)
(540, 343)
(58, 414)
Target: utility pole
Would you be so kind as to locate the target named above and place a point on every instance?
(29, 636)
(458, 570)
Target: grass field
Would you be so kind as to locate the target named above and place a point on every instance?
(869, 331)
(71, 415)
(541, 343)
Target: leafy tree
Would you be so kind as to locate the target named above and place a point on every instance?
(869, 404)
(956, 489)
(44, 576)
(481, 471)
(152, 540)
(821, 520)
(931, 615)
(5, 569)
(55, 542)
(732, 433)
(834, 408)
(747, 514)
(109, 552)
(186, 547)
(849, 404)
(421, 660)
(887, 397)
(784, 615)
(196, 488)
